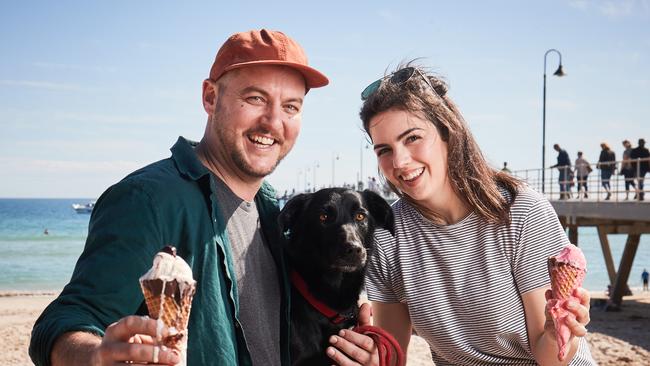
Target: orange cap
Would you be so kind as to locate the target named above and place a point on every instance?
(264, 47)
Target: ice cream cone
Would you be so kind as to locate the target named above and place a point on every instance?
(567, 271)
(564, 278)
(168, 290)
(170, 302)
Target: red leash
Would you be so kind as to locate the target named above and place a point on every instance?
(387, 346)
(328, 312)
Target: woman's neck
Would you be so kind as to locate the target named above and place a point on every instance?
(446, 208)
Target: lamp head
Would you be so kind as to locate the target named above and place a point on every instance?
(559, 71)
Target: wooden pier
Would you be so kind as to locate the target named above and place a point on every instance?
(609, 217)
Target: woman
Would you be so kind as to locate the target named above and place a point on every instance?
(607, 166)
(583, 168)
(466, 268)
(626, 169)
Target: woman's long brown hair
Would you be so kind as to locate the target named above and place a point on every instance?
(472, 178)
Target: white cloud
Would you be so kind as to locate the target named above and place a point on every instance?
(579, 4)
(56, 66)
(614, 9)
(22, 165)
(44, 85)
(107, 119)
(388, 15)
(19, 118)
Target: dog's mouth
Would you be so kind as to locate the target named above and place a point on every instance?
(349, 264)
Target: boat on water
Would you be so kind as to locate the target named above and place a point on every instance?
(83, 207)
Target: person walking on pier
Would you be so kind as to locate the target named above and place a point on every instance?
(640, 167)
(627, 171)
(644, 277)
(607, 166)
(582, 172)
(564, 166)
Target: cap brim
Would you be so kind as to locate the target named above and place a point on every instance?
(313, 77)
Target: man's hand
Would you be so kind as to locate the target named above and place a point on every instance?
(131, 339)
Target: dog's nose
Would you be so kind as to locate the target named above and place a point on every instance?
(353, 249)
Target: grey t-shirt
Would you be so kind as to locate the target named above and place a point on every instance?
(257, 281)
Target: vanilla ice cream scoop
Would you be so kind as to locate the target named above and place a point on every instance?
(168, 266)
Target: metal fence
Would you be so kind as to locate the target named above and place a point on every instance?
(563, 183)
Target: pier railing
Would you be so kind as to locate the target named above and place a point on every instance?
(574, 185)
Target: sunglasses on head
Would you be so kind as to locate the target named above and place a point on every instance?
(398, 77)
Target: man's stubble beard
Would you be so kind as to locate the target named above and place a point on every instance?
(228, 141)
(238, 158)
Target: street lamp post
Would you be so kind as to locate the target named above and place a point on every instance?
(360, 182)
(298, 180)
(335, 157)
(361, 148)
(558, 72)
(316, 165)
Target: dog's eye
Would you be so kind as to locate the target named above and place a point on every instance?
(360, 216)
(323, 217)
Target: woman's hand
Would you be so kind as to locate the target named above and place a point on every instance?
(352, 348)
(578, 306)
(541, 327)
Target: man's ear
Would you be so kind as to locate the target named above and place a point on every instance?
(380, 210)
(209, 96)
(292, 210)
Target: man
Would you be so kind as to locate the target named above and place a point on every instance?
(211, 202)
(505, 168)
(640, 167)
(644, 277)
(564, 166)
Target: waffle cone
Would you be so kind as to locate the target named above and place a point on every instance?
(170, 302)
(564, 278)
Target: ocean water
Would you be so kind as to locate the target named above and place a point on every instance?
(31, 260)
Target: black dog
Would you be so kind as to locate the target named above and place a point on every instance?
(329, 241)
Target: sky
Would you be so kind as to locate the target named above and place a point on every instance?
(92, 90)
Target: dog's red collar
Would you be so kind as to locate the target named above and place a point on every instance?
(328, 312)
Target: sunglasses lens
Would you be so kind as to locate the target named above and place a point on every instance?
(367, 92)
(401, 76)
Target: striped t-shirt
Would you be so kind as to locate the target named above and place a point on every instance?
(462, 283)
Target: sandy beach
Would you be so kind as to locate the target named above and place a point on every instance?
(616, 338)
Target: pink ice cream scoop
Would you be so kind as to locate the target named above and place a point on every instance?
(567, 271)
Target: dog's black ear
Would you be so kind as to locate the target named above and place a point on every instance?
(380, 210)
(291, 210)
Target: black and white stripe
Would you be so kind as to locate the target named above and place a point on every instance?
(462, 283)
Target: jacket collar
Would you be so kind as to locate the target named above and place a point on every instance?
(188, 164)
